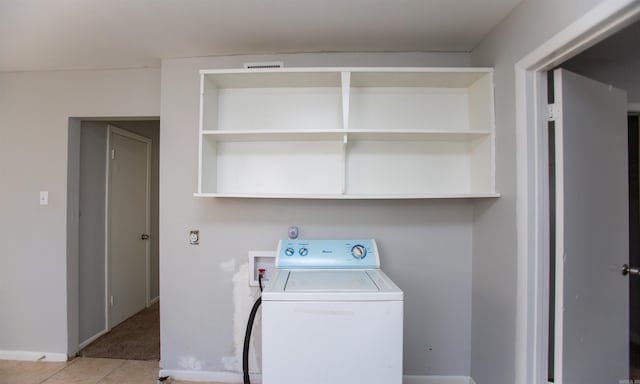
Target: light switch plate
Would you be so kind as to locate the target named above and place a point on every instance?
(44, 197)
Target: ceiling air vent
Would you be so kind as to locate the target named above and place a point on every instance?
(264, 65)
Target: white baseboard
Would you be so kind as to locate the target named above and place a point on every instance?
(232, 377)
(220, 377)
(32, 356)
(91, 339)
(413, 379)
(153, 301)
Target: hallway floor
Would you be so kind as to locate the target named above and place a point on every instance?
(82, 370)
(137, 338)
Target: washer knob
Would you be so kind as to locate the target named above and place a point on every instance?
(358, 251)
(303, 251)
(289, 251)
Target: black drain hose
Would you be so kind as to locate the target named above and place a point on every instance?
(247, 336)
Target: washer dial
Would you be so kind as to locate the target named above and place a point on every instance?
(289, 251)
(358, 251)
(303, 251)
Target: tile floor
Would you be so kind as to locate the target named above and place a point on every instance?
(82, 370)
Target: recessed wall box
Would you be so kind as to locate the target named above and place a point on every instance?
(259, 260)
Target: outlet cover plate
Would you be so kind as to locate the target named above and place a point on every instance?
(194, 237)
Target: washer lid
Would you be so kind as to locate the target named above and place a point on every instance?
(330, 285)
(330, 281)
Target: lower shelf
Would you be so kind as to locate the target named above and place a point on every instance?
(365, 168)
(351, 197)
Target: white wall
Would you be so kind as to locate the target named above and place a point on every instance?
(494, 230)
(425, 245)
(35, 109)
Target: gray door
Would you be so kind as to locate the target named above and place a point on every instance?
(592, 315)
(128, 224)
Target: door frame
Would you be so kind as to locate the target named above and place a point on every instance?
(111, 129)
(532, 177)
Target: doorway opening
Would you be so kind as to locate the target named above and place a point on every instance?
(612, 62)
(590, 211)
(634, 246)
(533, 209)
(113, 229)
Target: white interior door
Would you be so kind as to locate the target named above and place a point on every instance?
(592, 315)
(128, 226)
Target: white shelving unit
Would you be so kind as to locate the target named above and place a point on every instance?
(347, 133)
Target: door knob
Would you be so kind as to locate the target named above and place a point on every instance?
(627, 270)
(144, 236)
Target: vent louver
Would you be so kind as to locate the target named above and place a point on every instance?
(264, 65)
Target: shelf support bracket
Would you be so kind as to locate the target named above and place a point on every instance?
(346, 86)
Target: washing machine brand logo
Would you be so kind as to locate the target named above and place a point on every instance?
(326, 251)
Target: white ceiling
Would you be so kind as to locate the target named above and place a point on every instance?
(72, 34)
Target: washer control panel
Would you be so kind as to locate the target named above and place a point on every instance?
(324, 254)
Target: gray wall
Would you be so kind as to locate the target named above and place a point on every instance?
(622, 75)
(91, 302)
(614, 61)
(425, 245)
(494, 230)
(73, 229)
(93, 152)
(35, 295)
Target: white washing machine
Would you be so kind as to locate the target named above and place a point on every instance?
(331, 316)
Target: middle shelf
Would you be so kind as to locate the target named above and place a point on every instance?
(346, 162)
(345, 135)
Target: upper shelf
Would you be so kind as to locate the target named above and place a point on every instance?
(428, 78)
(317, 99)
(224, 79)
(331, 77)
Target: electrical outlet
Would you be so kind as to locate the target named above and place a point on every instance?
(194, 237)
(259, 260)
